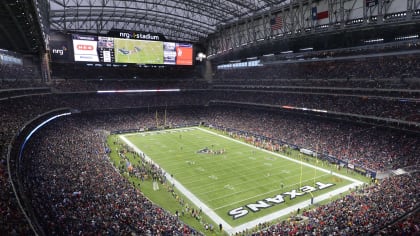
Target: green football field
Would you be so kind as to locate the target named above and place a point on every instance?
(138, 51)
(234, 182)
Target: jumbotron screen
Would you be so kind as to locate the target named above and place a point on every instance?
(121, 50)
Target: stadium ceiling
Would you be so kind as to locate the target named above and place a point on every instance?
(19, 29)
(177, 20)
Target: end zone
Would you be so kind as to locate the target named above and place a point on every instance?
(269, 217)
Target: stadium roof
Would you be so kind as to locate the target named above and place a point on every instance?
(178, 20)
(19, 29)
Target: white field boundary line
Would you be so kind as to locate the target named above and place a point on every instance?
(285, 157)
(158, 131)
(208, 211)
(278, 214)
(285, 211)
(195, 128)
(251, 224)
(261, 194)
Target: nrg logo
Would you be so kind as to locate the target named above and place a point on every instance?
(59, 51)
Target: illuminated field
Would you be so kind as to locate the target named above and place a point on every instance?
(240, 185)
(138, 51)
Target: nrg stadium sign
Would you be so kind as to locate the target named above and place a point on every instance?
(139, 36)
(272, 201)
(136, 35)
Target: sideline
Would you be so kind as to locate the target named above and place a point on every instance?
(285, 157)
(208, 211)
(283, 212)
(270, 217)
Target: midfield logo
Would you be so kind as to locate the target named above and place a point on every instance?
(278, 199)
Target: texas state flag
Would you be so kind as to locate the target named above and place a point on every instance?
(318, 15)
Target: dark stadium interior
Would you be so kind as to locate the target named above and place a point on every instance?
(339, 77)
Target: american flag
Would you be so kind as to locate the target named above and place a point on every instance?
(276, 23)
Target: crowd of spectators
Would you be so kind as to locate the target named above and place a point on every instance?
(12, 221)
(367, 211)
(360, 51)
(20, 83)
(73, 193)
(390, 72)
(90, 197)
(376, 106)
(18, 72)
(97, 71)
(375, 147)
(385, 107)
(83, 85)
(17, 111)
(127, 84)
(342, 91)
(409, 225)
(371, 72)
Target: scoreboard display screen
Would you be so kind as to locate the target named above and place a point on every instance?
(106, 49)
(85, 48)
(125, 50)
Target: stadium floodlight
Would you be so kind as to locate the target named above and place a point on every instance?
(374, 40)
(407, 37)
(139, 91)
(200, 56)
(306, 49)
(252, 58)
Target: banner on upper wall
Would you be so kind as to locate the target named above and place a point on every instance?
(59, 48)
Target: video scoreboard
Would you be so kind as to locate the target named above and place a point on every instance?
(142, 49)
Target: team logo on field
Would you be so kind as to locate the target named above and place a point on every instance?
(278, 199)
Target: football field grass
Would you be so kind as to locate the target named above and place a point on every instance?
(235, 182)
(138, 51)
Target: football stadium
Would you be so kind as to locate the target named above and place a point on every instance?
(218, 118)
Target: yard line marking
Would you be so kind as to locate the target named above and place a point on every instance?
(215, 217)
(285, 211)
(285, 157)
(258, 195)
(250, 224)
